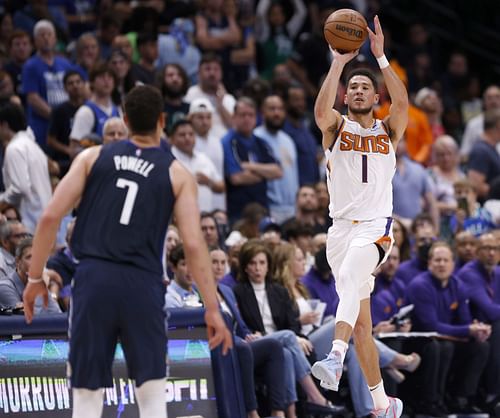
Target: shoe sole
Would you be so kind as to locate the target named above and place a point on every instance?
(321, 373)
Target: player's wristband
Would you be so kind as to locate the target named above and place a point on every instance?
(34, 281)
(383, 62)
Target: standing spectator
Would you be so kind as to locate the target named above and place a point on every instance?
(87, 54)
(61, 120)
(91, 117)
(108, 28)
(411, 188)
(25, 167)
(34, 11)
(306, 204)
(281, 192)
(484, 160)
(174, 86)
(209, 229)
(7, 88)
(441, 304)
(210, 87)
(275, 36)
(475, 127)
(455, 80)
(209, 181)
(114, 129)
(145, 70)
(248, 162)
(42, 80)
(217, 31)
(298, 127)
(20, 49)
(200, 115)
(431, 104)
(120, 65)
(11, 234)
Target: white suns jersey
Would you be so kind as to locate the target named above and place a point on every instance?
(360, 166)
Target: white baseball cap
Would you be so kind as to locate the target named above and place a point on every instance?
(201, 105)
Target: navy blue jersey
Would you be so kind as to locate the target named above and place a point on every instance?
(126, 206)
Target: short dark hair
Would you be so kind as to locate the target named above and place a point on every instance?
(210, 57)
(70, 73)
(146, 37)
(248, 251)
(100, 69)
(491, 118)
(23, 245)
(420, 220)
(143, 107)
(365, 72)
(179, 123)
(176, 255)
(13, 114)
(17, 33)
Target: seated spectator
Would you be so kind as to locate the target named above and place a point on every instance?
(87, 54)
(492, 205)
(387, 278)
(470, 216)
(465, 249)
(10, 212)
(114, 129)
(210, 183)
(256, 355)
(174, 85)
(172, 239)
(484, 161)
(424, 234)
(266, 307)
(12, 286)
(222, 220)
(25, 167)
(401, 239)
(301, 235)
(11, 234)
(482, 280)
(441, 304)
(323, 212)
(181, 292)
(234, 248)
(270, 231)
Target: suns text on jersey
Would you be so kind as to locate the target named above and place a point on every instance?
(130, 163)
(378, 144)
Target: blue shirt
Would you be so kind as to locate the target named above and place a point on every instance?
(484, 159)
(47, 81)
(100, 116)
(283, 191)
(441, 309)
(321, 289)
(477, 224)
(483, 290)
(176, 295)
(238, 149)
(409, 188)
(306, 152)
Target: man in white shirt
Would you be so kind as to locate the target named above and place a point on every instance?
(25, 167)
(200, 115)
(211, 88)
(209, 181)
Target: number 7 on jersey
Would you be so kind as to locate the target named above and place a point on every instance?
(128, 206)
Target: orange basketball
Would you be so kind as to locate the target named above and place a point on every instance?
(345, 30)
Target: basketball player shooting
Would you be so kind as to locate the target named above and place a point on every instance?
(126, 193)
(360, 165)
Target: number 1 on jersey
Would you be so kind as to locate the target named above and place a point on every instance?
(364, 168)
(128, 205)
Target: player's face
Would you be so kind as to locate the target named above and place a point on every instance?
(298, 264)
(488, 252)
(466, 248)
(441, 263)
(257, 268)
(202, 122)
(360, 96)
(219, 263)
(391, 265)
(183, 138)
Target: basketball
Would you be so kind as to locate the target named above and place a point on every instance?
(345, 30)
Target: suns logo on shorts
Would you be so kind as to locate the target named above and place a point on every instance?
(376, 144)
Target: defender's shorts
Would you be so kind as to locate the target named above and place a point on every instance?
(109, 302)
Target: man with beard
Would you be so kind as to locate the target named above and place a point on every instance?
(306, 208)
(281, 192)
(174, 87)
(210, 87)
(298, 127)
(465, 249)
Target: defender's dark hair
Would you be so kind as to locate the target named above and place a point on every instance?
(13, 114)
(143, 107)
(365, 72)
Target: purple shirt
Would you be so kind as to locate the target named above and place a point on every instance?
(321, 289)
(396, 286)
(410, 269)
(383, 306)
(229, 280)
(437, 308)
(483, 290)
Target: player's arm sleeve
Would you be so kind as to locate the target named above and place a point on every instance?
(83, 123)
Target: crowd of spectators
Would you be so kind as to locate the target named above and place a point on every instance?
(239, 78)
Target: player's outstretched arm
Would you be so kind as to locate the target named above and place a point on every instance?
(398, 112)
(187, 216)
(327, 118)
(66, 196)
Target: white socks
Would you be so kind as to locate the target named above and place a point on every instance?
(87, 403)
(380, 399)
(151, 399)
(341, 347)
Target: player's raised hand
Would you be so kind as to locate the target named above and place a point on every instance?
(376, 38)
(31, 292)
(345, 57)
(217, 331)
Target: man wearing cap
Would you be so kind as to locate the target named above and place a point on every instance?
(200, 115)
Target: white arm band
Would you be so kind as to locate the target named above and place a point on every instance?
(382, 62)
